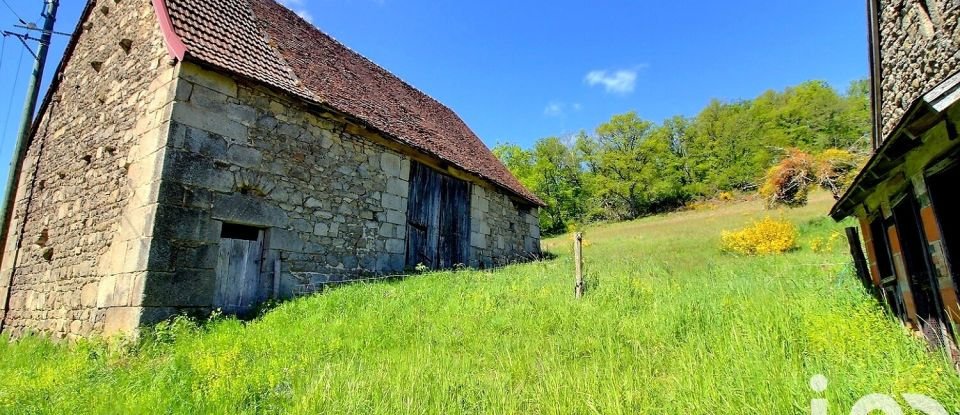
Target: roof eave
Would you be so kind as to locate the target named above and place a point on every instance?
(925, 112)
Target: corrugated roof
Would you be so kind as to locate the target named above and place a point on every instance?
(265, 41)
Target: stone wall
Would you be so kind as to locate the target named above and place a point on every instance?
(502, 231)
(139, 161)
(88, 179)
(332, 203)
(331, 198)
(919, 47)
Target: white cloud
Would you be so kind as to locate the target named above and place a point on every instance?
(559, 109)
(299, 7)
(553, 109)
(621, 81)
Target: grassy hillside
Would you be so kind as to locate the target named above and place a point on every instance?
(671, 325)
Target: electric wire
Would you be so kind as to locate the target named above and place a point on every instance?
(14, 12)
(3, 52)
(13, 88)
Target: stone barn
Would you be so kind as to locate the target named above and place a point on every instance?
(193, 155)
(906, 196)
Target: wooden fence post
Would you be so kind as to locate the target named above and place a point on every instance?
(853, 238)
(578, 263)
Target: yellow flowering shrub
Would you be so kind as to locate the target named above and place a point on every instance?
(763, 237)
(825, 245)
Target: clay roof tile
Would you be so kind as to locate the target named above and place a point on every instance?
(265, 41)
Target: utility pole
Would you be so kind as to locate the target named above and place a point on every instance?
(26, 123)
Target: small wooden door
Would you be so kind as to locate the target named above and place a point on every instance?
(438, 219)
(239, 285)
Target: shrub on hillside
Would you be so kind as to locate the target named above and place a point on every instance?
(788, 182)
(836, 170)
(763, 237)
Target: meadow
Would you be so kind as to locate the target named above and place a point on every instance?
(669, 324)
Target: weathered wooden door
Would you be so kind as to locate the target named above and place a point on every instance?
(239, 285)
(454, 235)
(438, 219)
(423, 214)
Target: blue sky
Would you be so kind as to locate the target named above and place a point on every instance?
(519, 71)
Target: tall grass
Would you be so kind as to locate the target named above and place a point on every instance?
(669, 325)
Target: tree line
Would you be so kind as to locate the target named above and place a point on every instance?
(630, 167)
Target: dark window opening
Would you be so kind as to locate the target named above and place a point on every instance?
(522, 209)
(888, 281)
(881, 248)
(241, 232)
(942, 189)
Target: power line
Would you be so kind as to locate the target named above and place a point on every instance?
(6, 119)
(14, 12)
(37, 29)
(3, 53)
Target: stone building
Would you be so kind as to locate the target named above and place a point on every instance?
(193, 155)
(905, 198)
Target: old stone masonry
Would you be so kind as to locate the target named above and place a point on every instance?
(168, 175)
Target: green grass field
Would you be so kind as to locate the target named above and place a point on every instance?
(670, 325)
